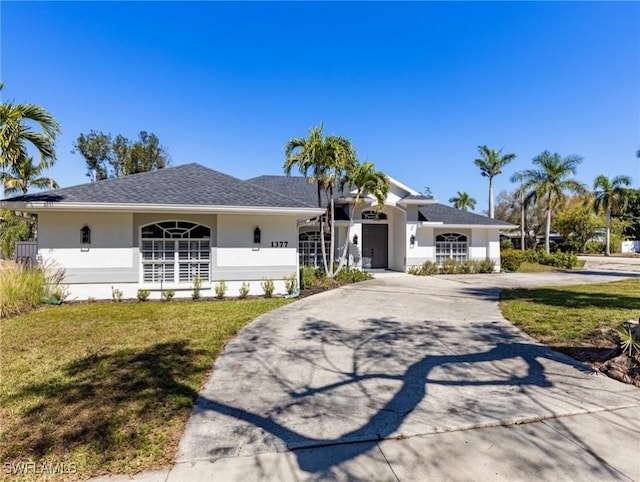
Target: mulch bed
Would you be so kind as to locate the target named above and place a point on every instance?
(608, 359)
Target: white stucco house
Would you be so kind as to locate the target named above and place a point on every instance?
(161, 229)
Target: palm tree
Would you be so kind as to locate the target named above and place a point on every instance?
(16, 133)
(26, 174)
(519, 177)
(609, 195)
(329, 159)
(491, 164)
(365, 181)
(463, 201)
(549, 182)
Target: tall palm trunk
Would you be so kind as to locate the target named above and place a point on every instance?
(522, 219)
(345, 251)
(321, 221)
(491, 210)
(607, 246)
(547, 229)
(333, 229)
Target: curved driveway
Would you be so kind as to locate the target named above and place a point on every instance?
(384, 380)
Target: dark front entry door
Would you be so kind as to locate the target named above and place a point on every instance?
(375, 244)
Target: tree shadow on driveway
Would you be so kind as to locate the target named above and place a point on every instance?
(475, 375)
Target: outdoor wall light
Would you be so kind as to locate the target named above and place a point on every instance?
(256, 235)
(355, 239)
(412, 240)
(85, 235)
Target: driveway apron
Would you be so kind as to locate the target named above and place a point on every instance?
(388, 359)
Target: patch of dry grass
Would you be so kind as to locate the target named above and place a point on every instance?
(109, 387)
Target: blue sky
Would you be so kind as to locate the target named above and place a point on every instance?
(415, 86)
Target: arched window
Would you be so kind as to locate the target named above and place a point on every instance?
(374, 215)
(310, 249)
(175, 252)
(451, 246)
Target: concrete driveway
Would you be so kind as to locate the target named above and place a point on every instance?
(408, 378)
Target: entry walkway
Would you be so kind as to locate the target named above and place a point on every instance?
(407, 378)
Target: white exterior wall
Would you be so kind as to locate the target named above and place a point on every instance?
(478, 244)
(397, 239)
(112, 260)
(236, 258)
(111, 240)
(493, 236)
(424, 246)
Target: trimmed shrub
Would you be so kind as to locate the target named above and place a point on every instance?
(352, 275)
(116, 294)
(143, 295)
(167, 295)
(468, 267)
(220, 289)
(594, 247)
(243, 292)
(428, 268)
(268, 287)
(197, 286)
(290, 283)
(505, 244)
(449, 266)
(310, 277)
(511, 259)
(486, 266)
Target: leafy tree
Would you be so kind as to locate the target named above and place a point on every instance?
(365, 181)
(511, 206)
(609, 196)
(107, 157)
(463, 201)
(427, 192)
(17, 134)
(326, 162)
(549, 183)
(577, 222)
(491, 163)
(146, 154)
(95, 147)
(12, 228)
(632, 213)
(26, 174)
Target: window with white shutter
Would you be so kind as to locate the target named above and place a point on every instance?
(175, 252)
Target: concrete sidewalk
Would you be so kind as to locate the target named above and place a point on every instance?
(407, 378)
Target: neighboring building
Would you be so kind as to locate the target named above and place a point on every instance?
(159, 230)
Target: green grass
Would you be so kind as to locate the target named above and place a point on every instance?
(527, 267)
(573, 315)
(109, 387)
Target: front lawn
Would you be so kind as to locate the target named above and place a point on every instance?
(108, 388)
(527, 267)
(572, 316)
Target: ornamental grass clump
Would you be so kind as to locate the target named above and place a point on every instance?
(23, 287)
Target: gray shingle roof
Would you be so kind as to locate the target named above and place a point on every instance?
(439, 213)
(189, 184)
(420, 197)
(295, 186)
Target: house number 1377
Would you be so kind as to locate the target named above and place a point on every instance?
(279, 244)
